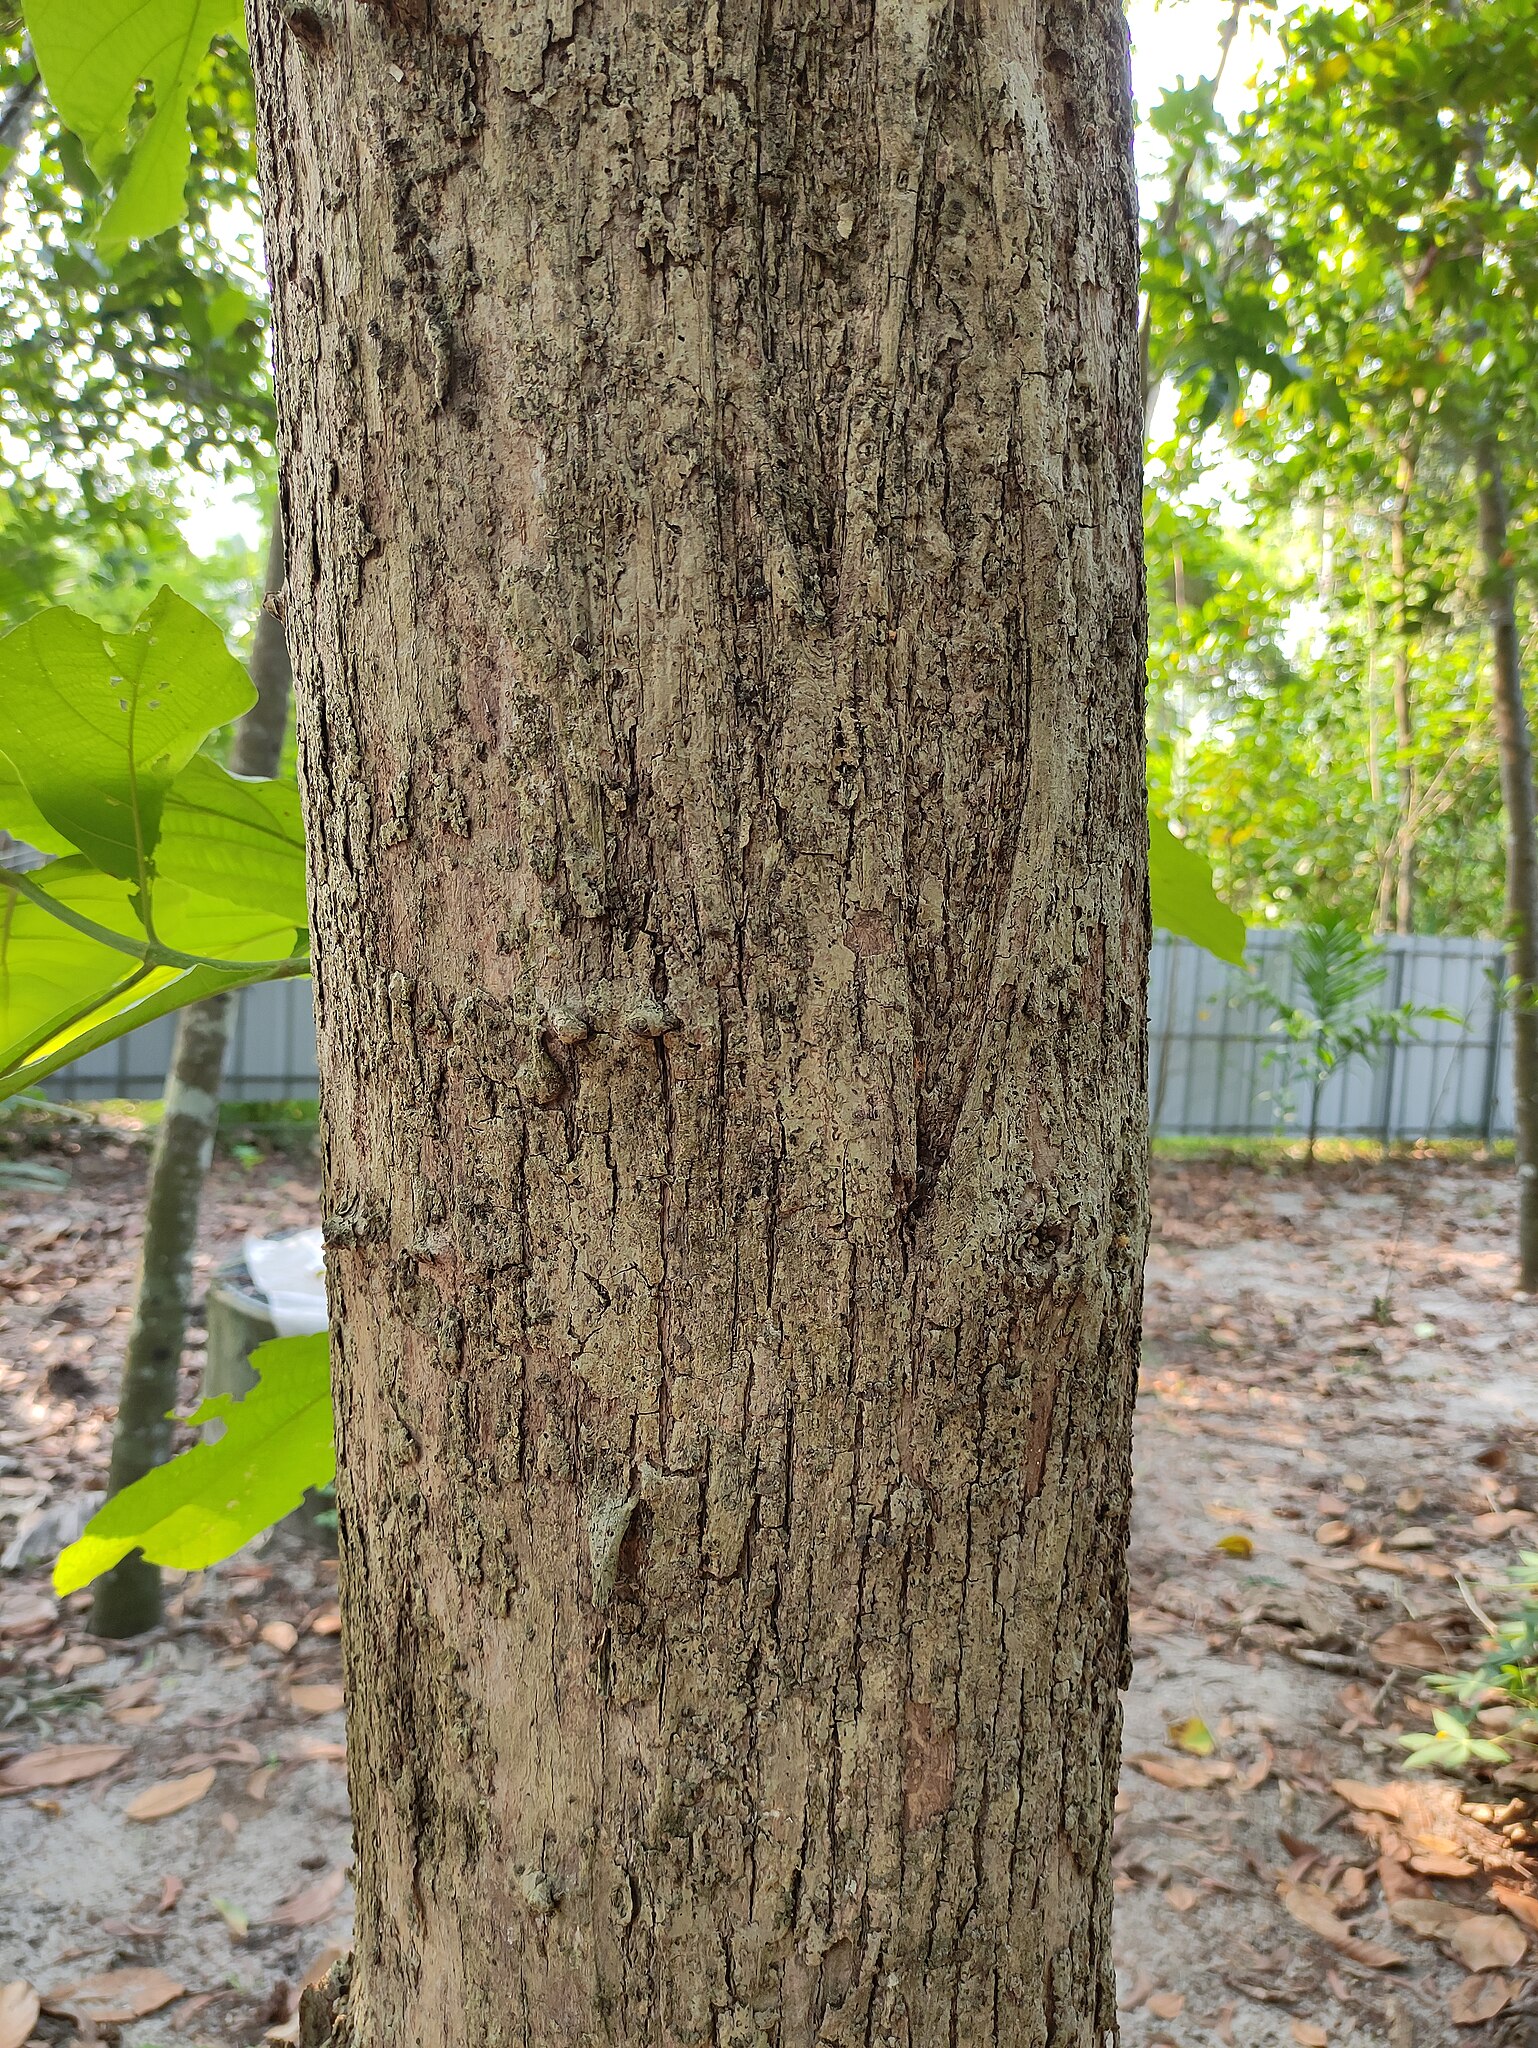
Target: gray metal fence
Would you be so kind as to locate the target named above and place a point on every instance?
(1210, 1070)
(271, 1059)
(1214, 1070)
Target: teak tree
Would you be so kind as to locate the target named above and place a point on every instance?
(711, 464)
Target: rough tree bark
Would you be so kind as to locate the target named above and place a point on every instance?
(712, 470)
(1514, 741)
(127, 1599)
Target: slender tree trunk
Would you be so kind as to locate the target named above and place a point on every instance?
(1514, 739)
(1170, 218)
(128, 1598)
(1407, 777)
(18, 111)
(712, 466)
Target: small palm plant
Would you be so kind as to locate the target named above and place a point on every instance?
(1336, 968)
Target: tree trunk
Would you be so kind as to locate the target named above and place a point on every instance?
(18, 112)
(1407, 777)
(128, 1598)
(712, 466)
(1514, 740)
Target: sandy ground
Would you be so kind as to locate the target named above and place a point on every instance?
(1332, 1354)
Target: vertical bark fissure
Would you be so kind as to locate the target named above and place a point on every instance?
(128, 1598)
(1514, 742)
(720, 725)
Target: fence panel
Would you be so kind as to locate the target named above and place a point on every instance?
(1212, 1070)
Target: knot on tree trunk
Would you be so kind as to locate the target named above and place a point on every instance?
(323, 2009)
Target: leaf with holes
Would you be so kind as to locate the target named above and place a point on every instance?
(98, 725)
(93, 54)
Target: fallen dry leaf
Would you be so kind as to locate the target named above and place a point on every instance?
(1357, 1700)
(1192, 1735)
(315, 1902)
(1479, 1998)
(1236, 1544)
(1500, 1521)
(1480, 1941)
(1330, 1535)
(1441, 1862)
(1520, 1905)
(1252, 1779)
(134, 1694)
(115, 1997)
(170, 1796)
(309, 1749)
(280, 1636)
(316, 1699)
(1352, 1883)
(171, 1889)
(1415, 1537)
(62, 1764)
(1309, 2034)
(1399, 1881)
(1142, 1985)
(19, 2008)
(259, 1784)
(1366, 1798)
(1308, 1905)
(1182, 1897)
(1431, 1919)
(82, 1657)
(328, 1623)
(1183, 1773)
(1489, 1941)
(138, 1717)
(1167, 2005)
(321, 1967)
(1412, 1646)
(27, 1614)
(315, 1975)
(236, 1751)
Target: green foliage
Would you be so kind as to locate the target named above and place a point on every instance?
(98, 725)
(205, 1504)
(94, 55)
(1506, 1671)
(178, 880)
(1183, 899)
(129, 388)
(1453, 1746)
(1337, 969)
(1380, 202)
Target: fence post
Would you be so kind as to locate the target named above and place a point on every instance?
(1390, 1070)
(1493, 1048)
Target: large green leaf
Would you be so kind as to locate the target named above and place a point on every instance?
(49, 971)
(98, 725)
(1184, 901)
(64, 989)
(93, 55)
(161, 991)
(21, 817)
(205, 1504)
(232, 838)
